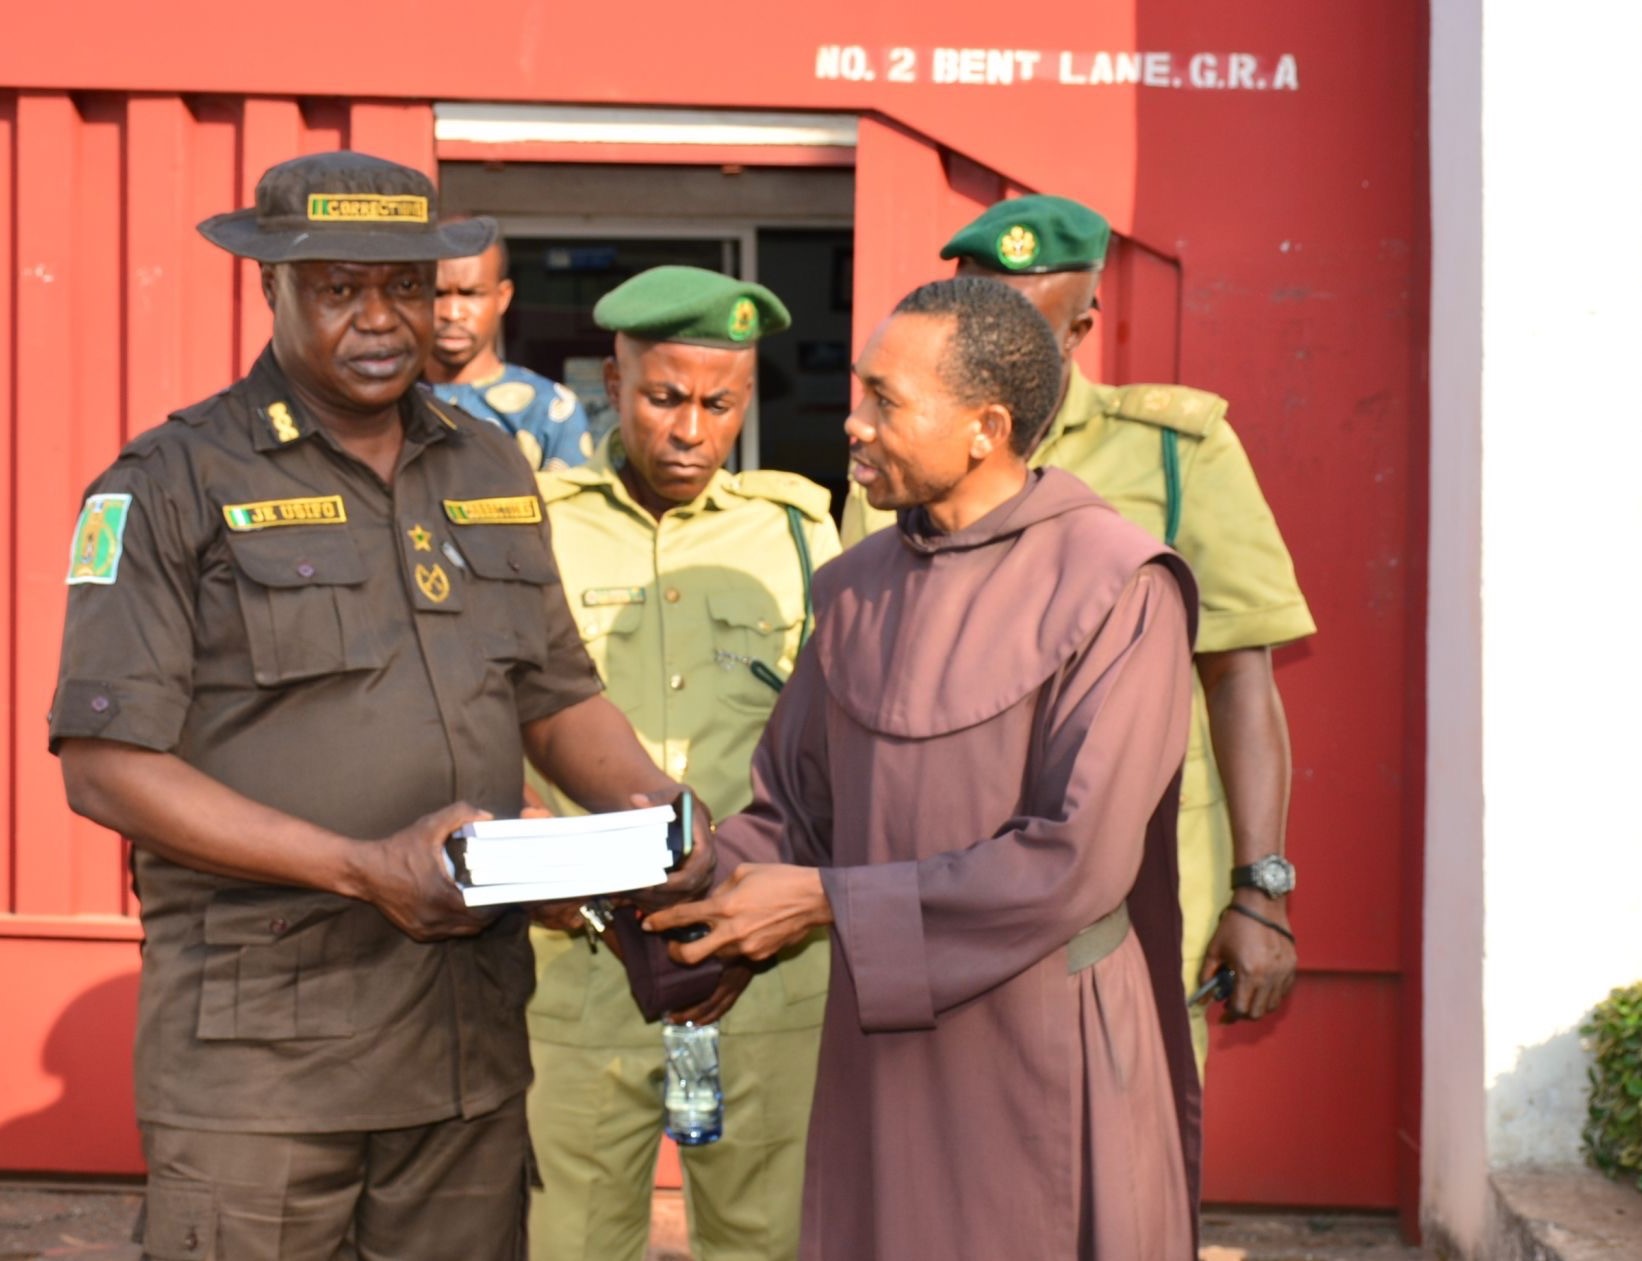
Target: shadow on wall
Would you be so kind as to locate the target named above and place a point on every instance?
(1537, 1107)
(89, 1125)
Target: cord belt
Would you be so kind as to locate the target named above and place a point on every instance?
(1097, 941)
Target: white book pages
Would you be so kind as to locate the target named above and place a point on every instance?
(532, 860)
(509, 869)
(557, 890)
(565, 825)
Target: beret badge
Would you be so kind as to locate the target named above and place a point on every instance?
(1018, 247)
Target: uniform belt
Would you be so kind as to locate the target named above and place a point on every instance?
(1097, 941)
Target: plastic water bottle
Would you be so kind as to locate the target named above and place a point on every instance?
(693, 1096)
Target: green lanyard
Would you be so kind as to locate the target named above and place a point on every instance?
(1171, 487)
(762, 672)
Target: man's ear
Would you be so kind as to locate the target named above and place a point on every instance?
(504, 297)
(1077, 332)
(268, 274)
(992, 430)
(612, 381)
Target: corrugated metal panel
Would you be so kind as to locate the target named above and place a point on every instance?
(117, 311)
(113, 311)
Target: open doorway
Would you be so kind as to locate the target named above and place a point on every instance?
(576, 233)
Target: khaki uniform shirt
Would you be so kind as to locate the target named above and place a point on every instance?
(674, 614)
(247, 596)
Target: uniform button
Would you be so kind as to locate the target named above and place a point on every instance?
(513, 563)
(671, 595)
(589, 629)
(676, 683)
(278, 925)
(680, 762)
(764, 625)
(191, 1240)
(99, 703)
(306, 569)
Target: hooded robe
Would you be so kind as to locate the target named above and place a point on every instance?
(981, 751)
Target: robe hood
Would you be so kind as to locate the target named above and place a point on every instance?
(920, 633)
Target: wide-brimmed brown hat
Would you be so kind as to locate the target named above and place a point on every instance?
(349, 208)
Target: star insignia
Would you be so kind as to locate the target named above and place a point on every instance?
(420, 539)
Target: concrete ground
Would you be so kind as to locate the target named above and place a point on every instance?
(94, 1224)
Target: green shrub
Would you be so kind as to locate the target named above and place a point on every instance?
(1613, 1126)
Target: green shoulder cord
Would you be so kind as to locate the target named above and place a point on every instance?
(795, 522)
(1171, 487)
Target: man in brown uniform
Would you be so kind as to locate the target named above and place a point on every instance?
(314, 625)
(975, 770)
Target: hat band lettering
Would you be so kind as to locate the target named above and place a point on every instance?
(366, 208)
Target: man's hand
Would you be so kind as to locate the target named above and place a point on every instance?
(564, 916)
(738, 974)
(695, 874)
(404, 877)
(761, 908)
(1264, 960)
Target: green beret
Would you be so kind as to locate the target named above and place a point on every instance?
(691, 304)
(1037, 233)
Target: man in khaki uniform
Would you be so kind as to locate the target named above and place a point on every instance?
(691, 588)
(309, 620)
(1167, 459)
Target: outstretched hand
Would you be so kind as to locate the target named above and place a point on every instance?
(404, 877)
(695, 874)
(760, 909)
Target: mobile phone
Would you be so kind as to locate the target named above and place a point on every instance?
(1217, 989)
(681, 832)
(681, 839)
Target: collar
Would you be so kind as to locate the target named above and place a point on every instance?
(484, 383)
(278, 420)
(1076, 410)
(920, 534)
(604, 470)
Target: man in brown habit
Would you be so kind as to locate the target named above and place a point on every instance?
(972, 777)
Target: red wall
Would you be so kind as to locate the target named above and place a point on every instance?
(1275, 252)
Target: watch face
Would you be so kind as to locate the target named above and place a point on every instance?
(1274, 875)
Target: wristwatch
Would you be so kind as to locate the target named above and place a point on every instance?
(1273, 875)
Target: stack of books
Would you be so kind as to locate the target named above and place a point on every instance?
(545, 860)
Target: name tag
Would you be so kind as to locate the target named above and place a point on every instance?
(599, 597)
(319, 510)
(513, 510)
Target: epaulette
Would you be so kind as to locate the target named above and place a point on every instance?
(787, 489)
(1177, 407)
(566, 482)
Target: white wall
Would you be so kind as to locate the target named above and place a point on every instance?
(1543, 413)
(1453, 1150)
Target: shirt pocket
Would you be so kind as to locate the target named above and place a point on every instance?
(304, 603)
(278, 966)
(750, 625)
(607, 633)
(179, 1220)
(507, 565)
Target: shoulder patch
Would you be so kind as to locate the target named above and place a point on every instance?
(99, 540)
(1177, 407)
(511, 396)
(814, 501)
